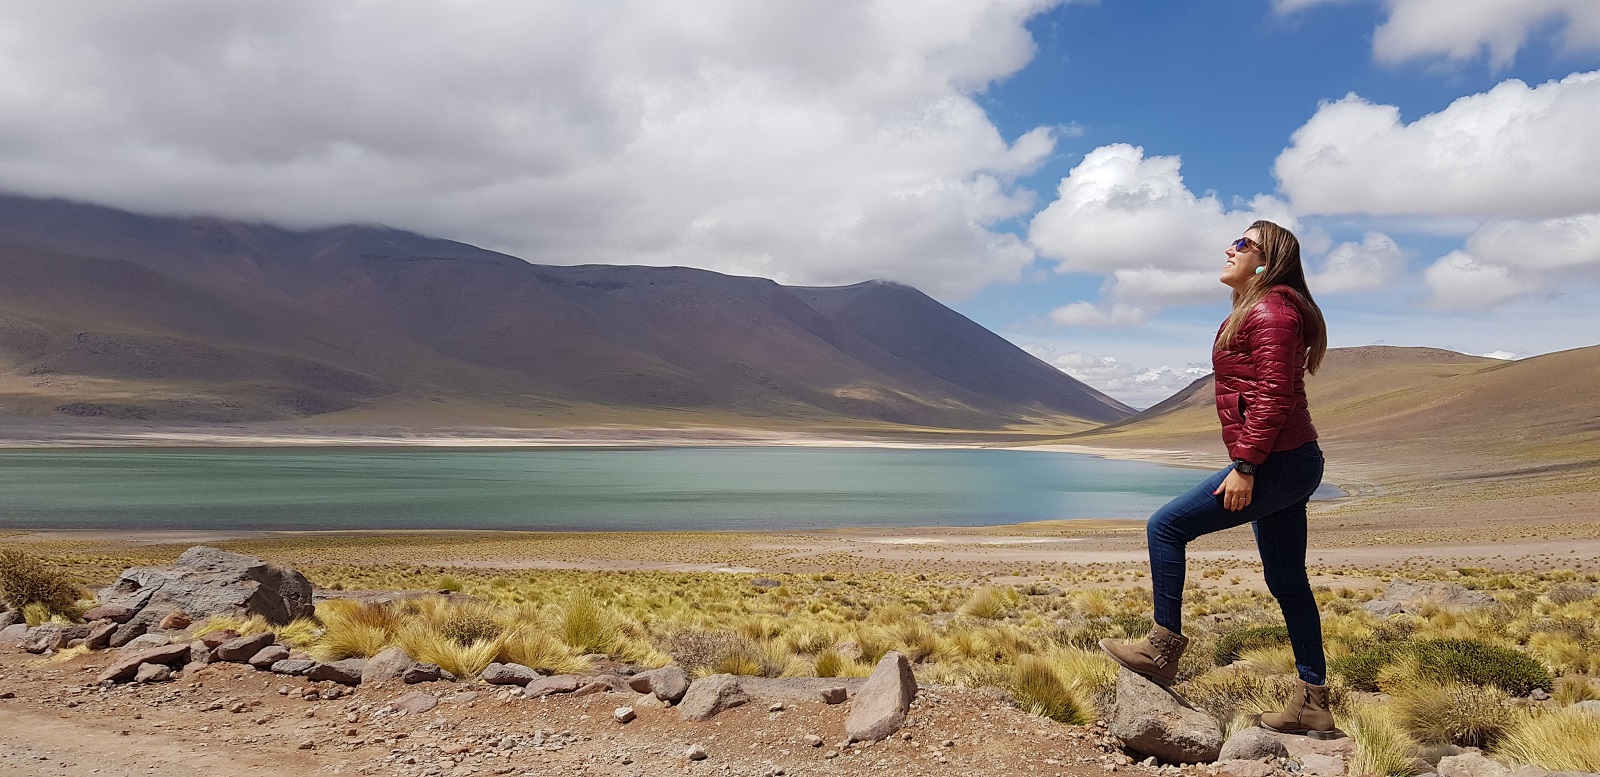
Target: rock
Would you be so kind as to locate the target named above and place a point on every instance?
(422, 672)
(623, 714)
(603, 683)
(669, 683)
(242, 649)
(1237, 768)
(1471, 764)
(835, 695)
(10, 618)
(199, 653)
(175, 620)
(1383, 609)
(49, 637)
(1299, 745)
(764, 582)
(710, 695)
(347, 671)
(127, 664)
(1529, 771)
(508, 674)
(206, 582)
(696, 753)
(297, 667)
(128, 632)
(1252, 744)
(1150, 721)
(100, 635)
(1413, 597)
(1592, 705)
(813, 740)
(387, 666)
(267, 656)
(879, 708)
(545, 686)
(415, 702)
(109, 612)
(152, 673)
(147, 641)
(1321, 765)
(215, 639)
(14, 634)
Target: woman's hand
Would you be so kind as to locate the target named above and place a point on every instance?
(1235, 491)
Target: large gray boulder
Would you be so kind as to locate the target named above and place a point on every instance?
(669, 683)
(1150, 721)
(387, 666)
(879, 708)
(1253, 744)
(1403, 595)
(205, 582)
(711, 695)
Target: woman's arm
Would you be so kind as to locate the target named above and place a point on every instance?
(1272, 333)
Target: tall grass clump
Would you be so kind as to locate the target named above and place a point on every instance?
(1460, 714)
(27, 580)
(1566, 739)
(1383, 746)
(585, 626)
(986, 603)
(353, 629)
(1042, 691)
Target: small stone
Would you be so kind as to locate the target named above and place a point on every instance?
(1321, 765)
(508, 674)
(242, 649)
(100, 635)
(711, 695)
(294, 666)
(145, 642)
(813, 740)
(1239, 768)
(152, 673)
(391, 664)
(1252, 744)
(422, 672)
(308, 745)
(697, 753)
(623, 714)
(177, 619)
(776, 706)
(835, 695)
(415, 702)
(1471, 764)
(347, 671)
(267, 656)
(215, 639)
(109, 612)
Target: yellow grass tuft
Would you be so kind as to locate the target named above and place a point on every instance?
(1042, 691)
(1566, 739)
(1383, 747)
(1464, 715)
(987, 603)
(1275, 659)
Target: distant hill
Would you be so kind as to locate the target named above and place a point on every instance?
(110, 315)
(1440, 411)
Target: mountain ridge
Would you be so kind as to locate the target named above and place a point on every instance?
(114, 315)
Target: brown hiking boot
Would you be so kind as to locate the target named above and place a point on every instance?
(1156, 657)
(1306, 713)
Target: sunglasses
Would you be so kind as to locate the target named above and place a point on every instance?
(1245, 244)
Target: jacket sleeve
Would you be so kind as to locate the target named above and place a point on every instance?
(1272, 333)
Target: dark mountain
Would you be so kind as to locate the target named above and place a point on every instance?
(109, 314)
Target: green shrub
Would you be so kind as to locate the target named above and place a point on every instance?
(25, 580)
(1360, 669)
(1478, 663)
(468, 626)
(1234, 643)
(1445, 661)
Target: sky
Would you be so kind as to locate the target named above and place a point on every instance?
(1066, 173)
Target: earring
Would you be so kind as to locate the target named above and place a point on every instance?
(1261, 269)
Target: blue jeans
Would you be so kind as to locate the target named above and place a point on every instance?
(1277, 512)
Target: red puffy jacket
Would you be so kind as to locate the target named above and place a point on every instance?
(1261, 390)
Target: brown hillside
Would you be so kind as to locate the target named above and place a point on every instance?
(114, 315)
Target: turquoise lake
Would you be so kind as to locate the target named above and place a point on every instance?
(733, 488)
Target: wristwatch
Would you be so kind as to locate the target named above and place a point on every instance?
(1244, 468)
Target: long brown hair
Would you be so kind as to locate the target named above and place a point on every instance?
(1281, 251)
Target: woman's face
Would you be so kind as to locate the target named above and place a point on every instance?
(1242, 263)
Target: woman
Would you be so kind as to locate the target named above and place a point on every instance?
(1274, 335)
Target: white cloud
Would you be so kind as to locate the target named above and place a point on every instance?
(1512, 151)
(1461, 282)
(1501, 355)
(1089, 314)
(812, 142)
(1510, 258)
(1373, 263)
(1547, 246)
(1132, 219)
(1461, 30)
(1133, 385)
